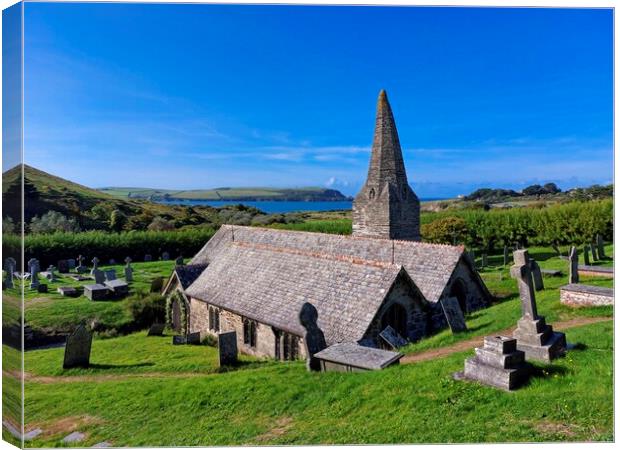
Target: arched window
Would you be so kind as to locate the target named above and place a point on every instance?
(371, 194)
(396, 317)
(249, 332)
(214, 319)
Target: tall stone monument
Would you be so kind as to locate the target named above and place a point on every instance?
(586, 255)
(128, 270)
(600, 245)
(534, 337)
(386, 206)
(227, 348)
(573, 266)
(314, 339)
(33, 266)
(81, 268)
(10, 266)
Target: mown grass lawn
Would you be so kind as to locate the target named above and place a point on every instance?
(283, 404)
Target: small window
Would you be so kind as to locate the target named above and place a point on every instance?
(287, 346)
(214, 319)
(249, 332)
(371, 194)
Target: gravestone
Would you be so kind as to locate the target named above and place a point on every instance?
(534, 337)
(42, 288)
(573, 265)
(586, 255)
(67, 291)
(95, 262)
(498, 363)
(81, 268)
(537, 278)
(70, 264)
(179, 340)
(118, 288)
(179, 261)
(506, 255)
(391, 337)
(157, 329)
(157, 284)
(314, 339)
(165, 256)
(227, 348)
(128, 270)
(594, 252)
(96, 291)
(600, 246)
(484, 261)
(193, 338)
(98, 276)
(110, 274)
(63, 266)
(33, 266)
(51, 273)
(148, 258)
(10, 266)
(77, 349)
(454, 314)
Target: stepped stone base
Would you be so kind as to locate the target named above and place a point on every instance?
(499, 364)
(538, 340)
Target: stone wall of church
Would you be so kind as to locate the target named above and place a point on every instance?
(229, 321)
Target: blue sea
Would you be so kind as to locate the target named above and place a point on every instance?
(272, 207)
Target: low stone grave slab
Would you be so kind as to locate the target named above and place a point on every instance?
(391, 337)
(77, 348)
(227, 348)
(96, 291)
(179, 340)
(498, 363)
(454, 314)
(32, 434)
(551, 272)
(104, 444)
(351, 357)
(595, 271)
(157, 329)
(117, 287)
(79, 277)
(68, 291)
(76, 436)
(579, 295)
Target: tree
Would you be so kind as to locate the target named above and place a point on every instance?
(447, 230)
(52, 222)
(161, 224)
(551, 188)
(535, 189)
(117, 220)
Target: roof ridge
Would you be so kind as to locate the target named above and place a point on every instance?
(321, 255)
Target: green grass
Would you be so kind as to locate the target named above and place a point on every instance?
(53, 313)
(283, 404)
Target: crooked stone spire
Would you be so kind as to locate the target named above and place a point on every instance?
(386, 207)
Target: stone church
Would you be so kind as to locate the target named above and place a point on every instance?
(255, 280)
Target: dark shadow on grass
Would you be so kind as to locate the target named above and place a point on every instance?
(479, 327)
(546, 371)
(240, 365)
(119, 366)
(578, 346)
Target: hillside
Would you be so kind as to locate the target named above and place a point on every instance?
(228, 193)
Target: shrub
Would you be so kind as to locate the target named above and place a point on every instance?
(145, 309)
(161, 224)
(447, 230)
(51, 222)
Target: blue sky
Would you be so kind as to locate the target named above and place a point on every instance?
(202, 96)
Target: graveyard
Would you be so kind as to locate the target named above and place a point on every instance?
(136, 383)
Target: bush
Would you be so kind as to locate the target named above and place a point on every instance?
(146, 309)
(447, 230)
(161, 224)
(52, 222)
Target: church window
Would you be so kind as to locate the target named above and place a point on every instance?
(287, 346)
(249, 332)
(371, 194)
(214, 319)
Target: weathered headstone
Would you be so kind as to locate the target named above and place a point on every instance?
(179, 261)
(593, 250)
(157, 329)
(77, 349)
(391, 337)
(534, 336)
(63, 266)
(95, 262)
(600, 246)
(33, 265)
(537, 278)
(573, 272)
(51, 273)
(165, 256)
(148, 258)
(179, 340)
(70, 264)
(110, 274)
(314, 339)
(10, 266)
(81, 268)
(586, 255)
(118, 288)
(96, 291)
(98, 276)
(454, 314)
(498, 363)
(506, 255)
(128, 270)
(193, 338)
(67, 291)
(227, 348)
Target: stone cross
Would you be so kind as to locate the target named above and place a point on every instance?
(314, 339)
(600, 244)
(521, 271)
(506, 255)
(573, 272)
(586, 255)
(80, 267)
(33, 265)
(128, 262)
(95, 263)
(52, 274)
(594, 252)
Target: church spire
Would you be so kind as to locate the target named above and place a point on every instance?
(386, 207)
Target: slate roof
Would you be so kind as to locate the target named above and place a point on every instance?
(189, 273)
(270, 284)
(429, 265)
(355, 355)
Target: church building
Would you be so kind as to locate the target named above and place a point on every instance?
(255, 280)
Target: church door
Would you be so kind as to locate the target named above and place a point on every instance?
(396, 317)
